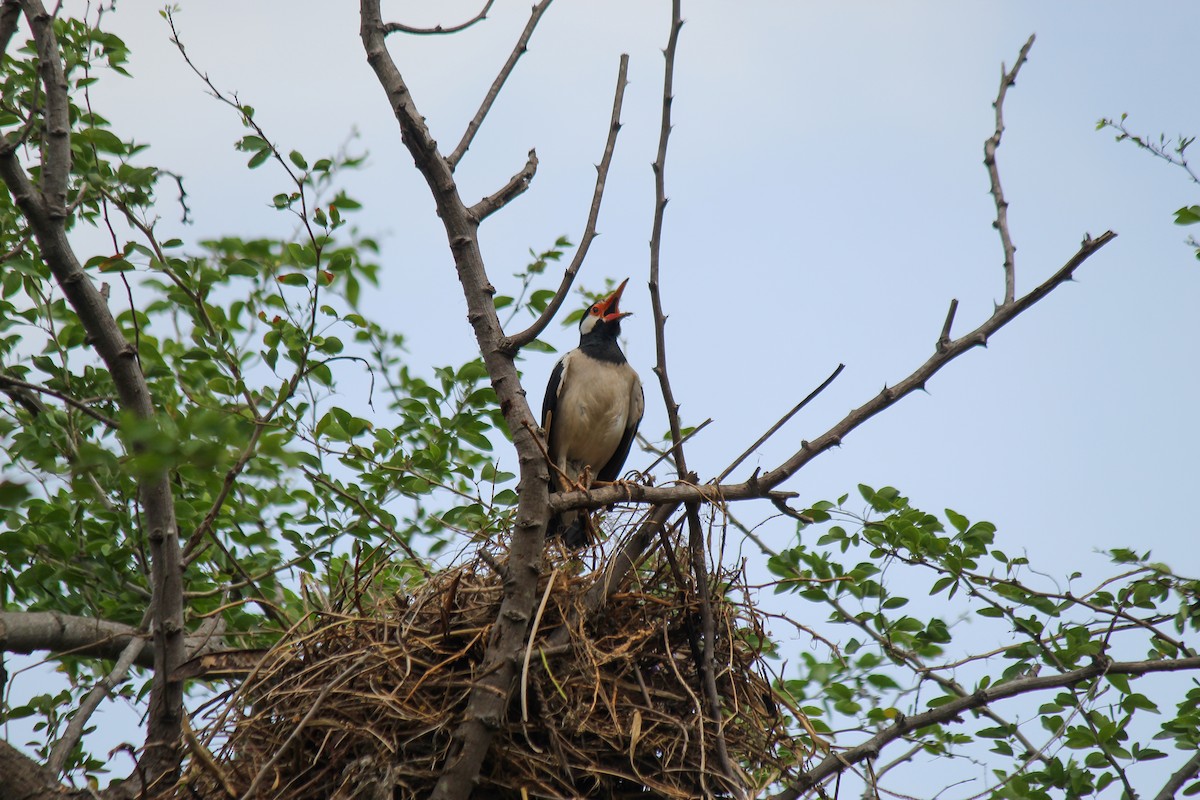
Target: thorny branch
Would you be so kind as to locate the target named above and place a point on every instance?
(1007, 79)
(397, 27)
(837, 762)
(516, 342)
(516, 186)
(494, 91)
(761, 484)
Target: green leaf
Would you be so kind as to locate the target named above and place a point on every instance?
(12, 493)
(298, 159)
(1188, 215)
(293, 279)
(258, 159)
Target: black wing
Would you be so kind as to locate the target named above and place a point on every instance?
(550, 403)
(612, 470)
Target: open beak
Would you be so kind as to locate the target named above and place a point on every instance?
(609, 308)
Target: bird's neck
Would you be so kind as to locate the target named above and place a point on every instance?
(601, 347)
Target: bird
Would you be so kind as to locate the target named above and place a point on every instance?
(594, 403)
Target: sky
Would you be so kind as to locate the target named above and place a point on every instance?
(828, 200)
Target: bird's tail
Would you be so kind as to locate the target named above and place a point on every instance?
(570, 527)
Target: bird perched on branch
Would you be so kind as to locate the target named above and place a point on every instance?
(591, 412)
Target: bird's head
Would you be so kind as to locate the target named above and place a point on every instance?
(604, 316)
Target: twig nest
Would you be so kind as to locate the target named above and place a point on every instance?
(363, 704)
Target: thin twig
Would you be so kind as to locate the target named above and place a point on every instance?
(103, 688)
(494, 91)
(537, 621)
(374, 517)
(833, 437)
(437, 30)
(660, 207)
(7, 381)
(515, 187)
(782, 421)
(1007, 79)
(944, 338)
(668, 453)
(514, 343)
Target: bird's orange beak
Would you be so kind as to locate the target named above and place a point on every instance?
(609, 308)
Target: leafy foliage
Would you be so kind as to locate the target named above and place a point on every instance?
(290, 480)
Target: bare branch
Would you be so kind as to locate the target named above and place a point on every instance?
(981, 698)
(944, 338)
(515, 343)
(31, 631)
(103, 688)
(782, 421)
(489, 696)
(660, 206)
(1007, 79)
(708, 640)
(28, 632)
(396, 27)
(516, 186)
(696, 550)
(8, 383)
(663, 455)
(1189, 770)
(833, 437)
(498, 84)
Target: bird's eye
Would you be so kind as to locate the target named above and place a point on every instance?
(595, 309)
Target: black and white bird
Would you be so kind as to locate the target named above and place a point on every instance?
(591, 412)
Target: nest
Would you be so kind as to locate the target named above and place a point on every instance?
(365, 704)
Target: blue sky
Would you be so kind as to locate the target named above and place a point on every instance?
(828, 199)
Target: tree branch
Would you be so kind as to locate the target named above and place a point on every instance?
(1007, 79)
(10, 384)
(25, 779)
(837, 762)
(698, 556)
(28, 632)
(780, 423)
(103, 688)
(660, 207)
(498, 84)
(488, 699)
(396, 27)
(515, 187)
(46, 210)
(1189, 770)
(763, 484)
(514, 343)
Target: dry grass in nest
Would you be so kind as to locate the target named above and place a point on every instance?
(365, 704)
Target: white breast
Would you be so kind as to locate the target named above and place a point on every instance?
(595, 406)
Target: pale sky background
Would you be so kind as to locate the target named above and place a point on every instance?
(828, 199)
